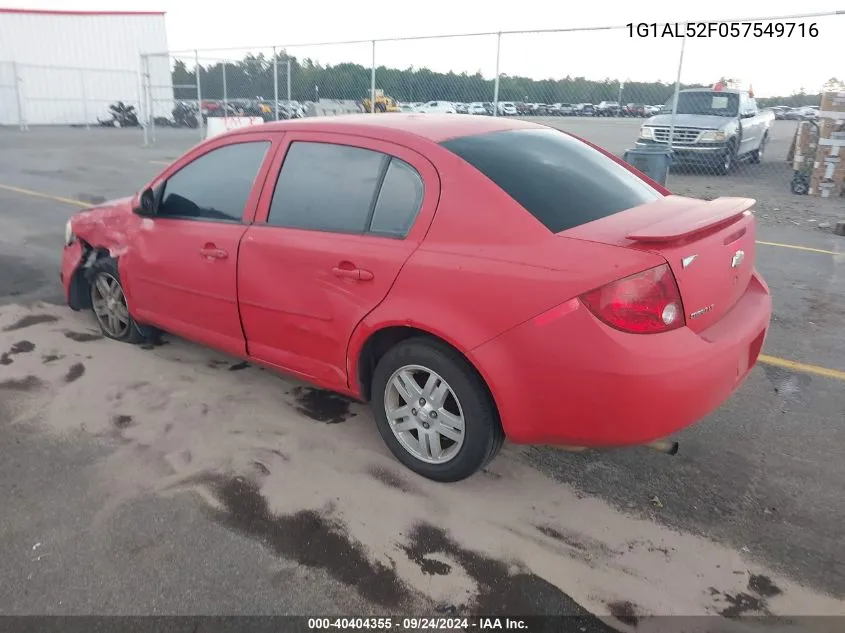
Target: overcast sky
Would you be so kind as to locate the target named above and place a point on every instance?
(772, 66)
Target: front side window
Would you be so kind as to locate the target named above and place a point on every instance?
(215, 186)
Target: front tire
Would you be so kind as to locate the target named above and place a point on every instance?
(757, 154)
(109, 304)
(434, 411)
(727, 161)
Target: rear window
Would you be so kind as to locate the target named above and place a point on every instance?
(559, 180)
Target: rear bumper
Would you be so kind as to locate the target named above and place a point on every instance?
(566, 378)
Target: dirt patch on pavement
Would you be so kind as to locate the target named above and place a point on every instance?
(509, 539)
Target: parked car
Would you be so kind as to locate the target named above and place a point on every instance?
(651, 110)
(563, 109)
(461, 108)
(714, 128)
(391, 304)
(808, 113)
(584, 109)
(792, 114)
(608, 108)
(507, 108)
(634, 110)
(780, 112)
(477, 108)
(443, 107)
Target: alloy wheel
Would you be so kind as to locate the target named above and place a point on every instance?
(424, 414)
(109, 304)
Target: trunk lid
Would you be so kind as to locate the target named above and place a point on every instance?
(709, 245)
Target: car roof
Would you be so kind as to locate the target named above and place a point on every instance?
(434, 127)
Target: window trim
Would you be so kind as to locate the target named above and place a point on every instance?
(387, 159)
(161, 181)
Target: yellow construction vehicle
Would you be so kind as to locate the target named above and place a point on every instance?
(383, 103)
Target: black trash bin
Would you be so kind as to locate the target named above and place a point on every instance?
(654, 162)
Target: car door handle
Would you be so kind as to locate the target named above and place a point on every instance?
(359, 274)
(210, 251)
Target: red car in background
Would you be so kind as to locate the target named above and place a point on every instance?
(474, 278)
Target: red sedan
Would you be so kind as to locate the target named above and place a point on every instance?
(474, 278)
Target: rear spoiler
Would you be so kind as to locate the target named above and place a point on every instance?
(689, 219)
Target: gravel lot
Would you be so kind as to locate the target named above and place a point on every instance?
(176, 480)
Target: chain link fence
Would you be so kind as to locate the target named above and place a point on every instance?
(62, 95)
(623, 87)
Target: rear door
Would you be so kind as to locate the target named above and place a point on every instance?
(329, 240)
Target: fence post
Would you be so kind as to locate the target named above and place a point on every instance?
(373, 81)
(199, 92)
(84, 99)
(19, 96)
(276, 83)
(288, 80)
(153, 100)
(677, 90)
(142, 99)
(142, 108)
(225, 92)
(496, 81)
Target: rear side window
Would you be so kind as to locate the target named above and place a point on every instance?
(326, 187)
(559, 180)
(343, 189)
(398, 201)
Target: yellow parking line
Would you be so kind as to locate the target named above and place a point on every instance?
(80, 203)
(763, 358)
(802, 367)
(799, 248)
(48, 196)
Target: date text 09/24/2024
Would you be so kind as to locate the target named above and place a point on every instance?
(722, 29)
(418, 624)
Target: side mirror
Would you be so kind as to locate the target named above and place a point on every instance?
(145, 203)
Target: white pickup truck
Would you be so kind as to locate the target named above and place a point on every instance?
(714, 128)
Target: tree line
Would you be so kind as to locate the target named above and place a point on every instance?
(253, 77)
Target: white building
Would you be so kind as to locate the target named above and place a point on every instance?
(67, 67)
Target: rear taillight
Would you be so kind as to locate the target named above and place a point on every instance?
(646, 303)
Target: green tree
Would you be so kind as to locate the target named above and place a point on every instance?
(253, 76)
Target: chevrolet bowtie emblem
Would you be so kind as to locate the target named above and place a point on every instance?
(737, 259)
(686, 261)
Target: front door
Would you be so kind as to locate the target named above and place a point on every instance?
(327, 245)
(182, 264)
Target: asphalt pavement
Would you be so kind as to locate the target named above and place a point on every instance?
(761, 476)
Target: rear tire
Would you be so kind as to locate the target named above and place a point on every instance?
(443, 423)
(108, 302)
